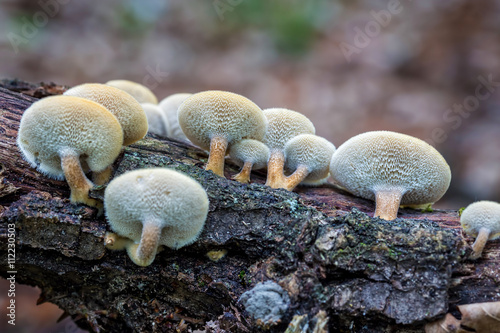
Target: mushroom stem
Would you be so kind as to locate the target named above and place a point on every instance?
(244, 175)
(387, 204)
(296, 177)
(102, 177)
(218, 147)
(144, 253)
(275, 165)
(478, 246)
(115, 242)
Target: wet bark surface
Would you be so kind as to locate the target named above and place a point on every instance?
(321, 245)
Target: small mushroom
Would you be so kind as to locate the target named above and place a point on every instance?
(157, 124)
(308, 157)
(391, 168)
(215, 120)
(129, 112)
(481, 219)
(140, 92)
(154, 207)
(170, 106)
(58, 134)
(283, 124)
(249, 154)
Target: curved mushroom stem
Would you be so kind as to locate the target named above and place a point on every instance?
(387, 204)
(102, 177)
(478, 246)
(296, 177)
(275, 165)
(218, 147)
(244, 175)
(115, 242)
(77, 181)
(144, 253)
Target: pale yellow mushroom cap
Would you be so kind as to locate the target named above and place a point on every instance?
(140, 92)
(311, 151)
(167, 200)
(129, 112)
(60, 123)
(156, 122)
(481, 214)
(394, 162)
(249, 150)
(284, 124)
(170, 106)
(220, 113)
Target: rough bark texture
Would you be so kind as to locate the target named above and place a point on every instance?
(320, 244)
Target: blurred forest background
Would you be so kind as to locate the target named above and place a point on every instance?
(425, 68)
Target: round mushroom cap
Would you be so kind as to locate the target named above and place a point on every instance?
(170, 106)
(57, 123)
(284, 124)
(311, 151)
(389, 161)
(481, 214)
(129, 112)
(156, 122)
(140, 92)
(173, 200)
(249, 150)
(220, 113)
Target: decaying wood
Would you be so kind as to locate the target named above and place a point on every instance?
(320, 244)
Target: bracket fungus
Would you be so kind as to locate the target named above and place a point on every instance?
(308, 157)
(60, 134)
(124, 107)
(214, 120)
(157, 124)
(169, 106)
(481, 219)
(391, 168)
(283, 124)
(248, 154)
(140, 92)
(154, 207)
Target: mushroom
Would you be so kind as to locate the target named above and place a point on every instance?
(170, 106)
(283, 124)
(140, 92)
(154, 207)
(157, 124)
(214, 120)
(391, 168)
(58, 134)
(308, 157)
(481, 219)
(129, 112)
(248, 154)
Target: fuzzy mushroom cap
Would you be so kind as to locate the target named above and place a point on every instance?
(284, 124)
(311, 151)
(481, 214)
(54, 124)
(140, 92)
(220, 113)
(129, 112)
(389, 161)
(172, 201)
(170, 106)
(157, 124)
(252, 151)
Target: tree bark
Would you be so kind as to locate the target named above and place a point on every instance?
(321, 245)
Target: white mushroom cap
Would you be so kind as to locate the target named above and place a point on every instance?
(310, 153)
(129, 112)
(249, 154)
(170, 106)
(402, 168)
(481, 219)
(217, 119)
(156, 122)
(155, 207)
(140, 92)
